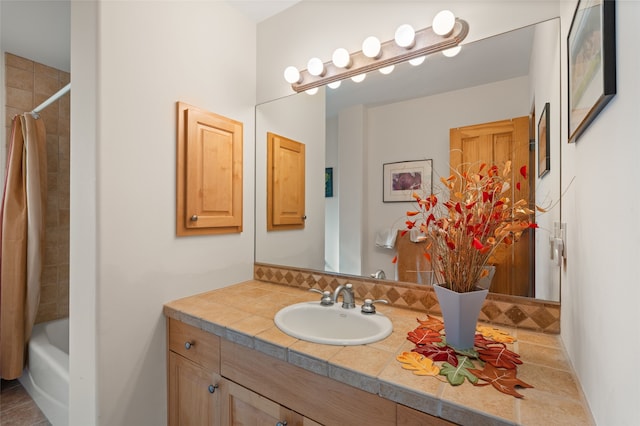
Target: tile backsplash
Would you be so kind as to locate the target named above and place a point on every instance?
(498, 309)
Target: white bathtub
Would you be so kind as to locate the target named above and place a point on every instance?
(46, 377)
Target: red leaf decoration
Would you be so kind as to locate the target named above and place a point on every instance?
(422, 336)
(431, 323)
(500, 357)
(482, 342)
(518, 186)
(477, 244)
(523, 171)
(437, 353)
(395, 259)
(503, 380)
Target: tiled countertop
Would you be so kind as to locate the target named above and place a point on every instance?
(243, 313)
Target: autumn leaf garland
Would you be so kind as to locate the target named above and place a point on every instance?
(498, 364)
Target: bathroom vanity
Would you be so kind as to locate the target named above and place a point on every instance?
(228, 363)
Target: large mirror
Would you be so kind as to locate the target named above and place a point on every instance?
(354, 130)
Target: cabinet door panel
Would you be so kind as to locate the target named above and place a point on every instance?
(209, 173)
(285, 183)
(244, 407)
(191, 403)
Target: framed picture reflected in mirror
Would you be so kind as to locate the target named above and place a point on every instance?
(403, 178)
(544, 158)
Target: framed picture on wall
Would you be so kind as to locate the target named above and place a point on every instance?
(401, 179)
(544, 159)
(328, 182)
(591, 49)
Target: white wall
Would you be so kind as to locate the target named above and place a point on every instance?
(600, 291)
(131, 62)
(351, 162)
(332, 204)
(300, 118)
(545, 87)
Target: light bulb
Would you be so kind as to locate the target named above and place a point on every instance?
(405, 36)
(358, 78)
(311, 91)
(387, 70)
(315, 67)
(335, 84)
(371, 47)
(341, 58)
(417, 61)
(450, 53)
(292, 75)
(443, 22)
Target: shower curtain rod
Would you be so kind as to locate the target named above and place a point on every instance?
(52, 99)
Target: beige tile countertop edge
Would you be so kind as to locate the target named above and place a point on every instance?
(253, 327)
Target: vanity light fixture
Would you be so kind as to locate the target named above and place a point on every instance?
(292, 75)
(387, 70)
(417, 61)
(371, 47)
(446, 32)
(341, 58)
(443, 22)
(315, 67)
(405, 36)
(359, 78)
(450, 53)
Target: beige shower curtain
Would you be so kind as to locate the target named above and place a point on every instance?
(22, 234)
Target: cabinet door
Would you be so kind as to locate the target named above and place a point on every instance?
(285, 183)
(244, 407)
(194, 398)
(209, 173)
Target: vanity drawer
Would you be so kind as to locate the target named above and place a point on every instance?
(197, 345)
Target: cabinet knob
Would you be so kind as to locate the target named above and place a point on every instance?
(212, 388)
(187, 345)
(194, 218)
(282, 423)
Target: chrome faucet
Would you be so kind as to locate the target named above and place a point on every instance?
(379, 274)
(348, 299)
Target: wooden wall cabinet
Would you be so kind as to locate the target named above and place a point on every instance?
(285, 183)
(209, 173)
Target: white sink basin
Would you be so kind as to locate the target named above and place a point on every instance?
(332, 325)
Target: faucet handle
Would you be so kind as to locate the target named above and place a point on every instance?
(369, 308)
(326, 299)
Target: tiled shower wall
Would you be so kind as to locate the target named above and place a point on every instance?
(27, 85)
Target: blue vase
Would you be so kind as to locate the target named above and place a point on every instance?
(460, 313)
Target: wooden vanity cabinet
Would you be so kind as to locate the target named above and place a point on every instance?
(193, 376)
(213, 381)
